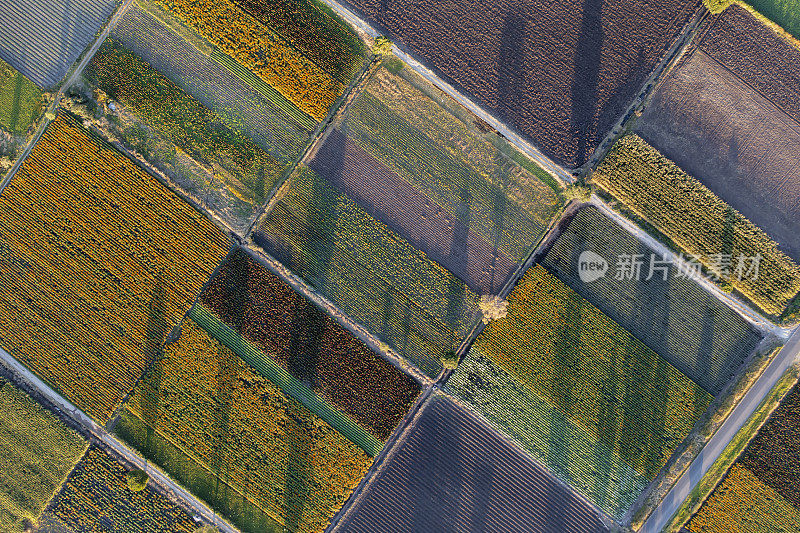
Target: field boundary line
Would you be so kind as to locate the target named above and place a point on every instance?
(287, 383)
(69, 410)
(755, 318)
(528, 149)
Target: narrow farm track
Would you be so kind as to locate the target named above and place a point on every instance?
(164, 483)
(77, 73)
(659, 518)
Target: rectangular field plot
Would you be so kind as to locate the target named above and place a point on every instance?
(741, 142)
(302, 49)
(560, 73)
(43, 38)
(761, 492)
(435, 180)
(37, 451)
(373, 275)
(99, 261)
(592, 379)
(237, 441)
(96, 497)
(310, 345)
(20, 101)
(451, 472)
(697, 220)
(677, 318)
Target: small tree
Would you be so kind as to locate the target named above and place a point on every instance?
(206, 529)
(137, 480)
(578, 192)
(450, 360)
(717, 6)
(382, 46)
(493, 308)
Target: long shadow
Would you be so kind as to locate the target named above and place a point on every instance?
(227, 372)
(15, 106)
(236, 291)
(299, 442)
(512, 88)
(585, 79)
(308, 330)
(153, 351)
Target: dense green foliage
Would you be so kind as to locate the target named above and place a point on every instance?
(20, 100)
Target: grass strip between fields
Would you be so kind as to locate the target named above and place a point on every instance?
(285, 381)
(732, 451)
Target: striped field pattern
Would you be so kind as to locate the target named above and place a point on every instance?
(42, 38)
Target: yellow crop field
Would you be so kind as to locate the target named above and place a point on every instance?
(98, 261)
(252, 44)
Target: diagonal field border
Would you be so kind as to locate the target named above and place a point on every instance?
(285, 381)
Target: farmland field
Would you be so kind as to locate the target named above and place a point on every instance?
(251, 41)
(452, 472)
(694, 217)
(783, 12)
(38, 452)
(570, 452)
(677, 318)
(560, 73)
(43, 38)
(20, 100)
(373, 275)
(99, 262)
(96, 497)
(237, 441)
(741, 145)
(246, 171)
(761, 491)
(303, 340)
(436, 181)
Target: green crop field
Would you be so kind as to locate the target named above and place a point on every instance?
(785, 13)
(379, 279)
(696, 219)
(676, 317)
(573, 454)
(20, 100)
(237, 441)
(593, 371)
(36, 454)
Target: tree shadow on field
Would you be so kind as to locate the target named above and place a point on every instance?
(236, 282)
(585, 79)
(512, 79)
(306, 344)
(153, 351)
(227, 372)
(299, 442)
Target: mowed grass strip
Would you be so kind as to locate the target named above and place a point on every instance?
(20, 100)
(741, 503)
(284, 380)
(38, 452)
(95, 497)
(595, 372)
(245, 433)
(696, 219)
(98, 261)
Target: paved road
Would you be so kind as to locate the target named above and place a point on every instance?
(100, 433)
(669, 506)
(72, 79)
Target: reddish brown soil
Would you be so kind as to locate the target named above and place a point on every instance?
(560, 73)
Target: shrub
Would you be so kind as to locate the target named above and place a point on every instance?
(137, 480)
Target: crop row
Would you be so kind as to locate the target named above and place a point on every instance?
(20, 100)
(373, 275)
(315, 30)
(95, 497)
(676, 317)
(99, 262)
(186, 122)
(255, 46)
(37, 454)
(245, 431)
(741, 503)
(595, 372)
(574, 455)
(310, 345)
(448, 180)
(698, 220)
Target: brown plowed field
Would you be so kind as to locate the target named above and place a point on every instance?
(560, 73)
(732, 139)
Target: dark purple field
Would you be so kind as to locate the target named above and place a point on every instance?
(560, 73)
(453, 473)
(411, 214)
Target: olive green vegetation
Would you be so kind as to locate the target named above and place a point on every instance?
(38, 452)
(20, 100)
(136, 480)
(697, 220)
(785, 13)
(717, 6)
